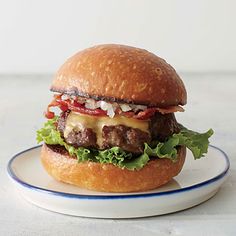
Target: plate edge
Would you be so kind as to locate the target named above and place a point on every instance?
(12, 175)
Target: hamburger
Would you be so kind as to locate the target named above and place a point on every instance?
(115, 129)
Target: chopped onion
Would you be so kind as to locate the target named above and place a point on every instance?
(111, 113)
(138, 107)
(105, 106)
(91, 104)
(125, 107)
(109, 108)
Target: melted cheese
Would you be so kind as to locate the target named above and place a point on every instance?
(79, 122)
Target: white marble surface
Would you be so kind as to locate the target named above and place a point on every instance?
(211, 103)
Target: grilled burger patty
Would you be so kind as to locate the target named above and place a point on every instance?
(129, 139)
(160, 127)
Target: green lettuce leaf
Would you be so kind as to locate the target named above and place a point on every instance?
(196, 142)
(50, 135)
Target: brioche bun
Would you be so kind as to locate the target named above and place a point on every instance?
(107, 177)
(121, 73)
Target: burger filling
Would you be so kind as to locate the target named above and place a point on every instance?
(125, 135)
(103, 132)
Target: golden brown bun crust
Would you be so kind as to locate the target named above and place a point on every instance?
(121, 73)
(107, 177)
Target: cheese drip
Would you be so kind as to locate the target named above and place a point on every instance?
(77, 121)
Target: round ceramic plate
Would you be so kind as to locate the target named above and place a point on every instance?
(198, 181)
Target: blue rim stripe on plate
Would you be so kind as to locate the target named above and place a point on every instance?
(97, 197)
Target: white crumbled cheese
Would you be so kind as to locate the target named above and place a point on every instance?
(138, 107)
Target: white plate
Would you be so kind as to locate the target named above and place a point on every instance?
(198, 181)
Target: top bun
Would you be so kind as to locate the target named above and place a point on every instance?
(121, 73)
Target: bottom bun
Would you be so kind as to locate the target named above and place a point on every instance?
(107, 177)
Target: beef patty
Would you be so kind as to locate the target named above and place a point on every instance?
(127, 138)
